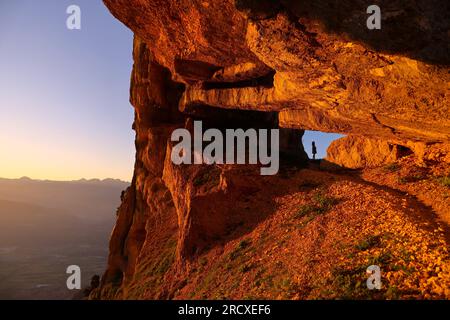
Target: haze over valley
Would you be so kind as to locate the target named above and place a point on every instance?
(45, 226)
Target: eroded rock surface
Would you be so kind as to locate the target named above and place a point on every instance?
(358, 152)
(294, 65)
(190, 200)
(314, 62)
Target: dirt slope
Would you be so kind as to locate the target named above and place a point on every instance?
(321, 232)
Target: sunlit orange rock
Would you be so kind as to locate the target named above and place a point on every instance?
(296, 65)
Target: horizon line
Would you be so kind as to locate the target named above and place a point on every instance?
(25, 178)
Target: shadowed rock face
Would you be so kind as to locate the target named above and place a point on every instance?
(258, 63)
(188, 200)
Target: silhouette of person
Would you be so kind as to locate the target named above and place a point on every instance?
(314, 150)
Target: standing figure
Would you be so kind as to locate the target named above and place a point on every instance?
(314, 150)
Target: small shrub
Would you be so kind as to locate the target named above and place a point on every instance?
(402, 180)
(305, 210)
(411, 178)
(348, 283)
(325, 203)
(244, 244)
(369, 242)
(245, 268)
(392, 167)
(415, 174)
(444, 181)
(381, 259)
(239, 248)
(321, 205)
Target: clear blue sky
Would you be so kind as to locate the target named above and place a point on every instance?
(322, 140)
(64, 110)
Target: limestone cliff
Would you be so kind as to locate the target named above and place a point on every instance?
(189, 200)
(294, 65)
(356, 152)
(313, 61)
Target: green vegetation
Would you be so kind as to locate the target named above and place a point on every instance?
(239, 249)
(402, 180)
(368, 242)
(150, 275)
(167, 257)
(245, 268)
(393, 167)
(107, 292)
(325, 203)
(305, 210)
(411, 178)
(321, 205)
(444, 181)
(236, 260)
(349, 283)
(381, 259)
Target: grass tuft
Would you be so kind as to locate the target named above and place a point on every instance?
(369, 242)
(444, 181)
(321, 205)
(392, 167)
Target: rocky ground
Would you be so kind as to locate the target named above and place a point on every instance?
(316, 233)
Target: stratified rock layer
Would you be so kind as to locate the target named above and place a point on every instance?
(315, 62)
(190, 200)
(295, 65)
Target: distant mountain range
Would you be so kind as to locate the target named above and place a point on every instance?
(107, 180)
(46, 226)
(87, 199)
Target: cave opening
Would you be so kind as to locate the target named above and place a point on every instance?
(290, 147)
(322, 141)
(403, 151)
(265, 81)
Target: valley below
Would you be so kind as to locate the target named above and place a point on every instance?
(47, 226)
